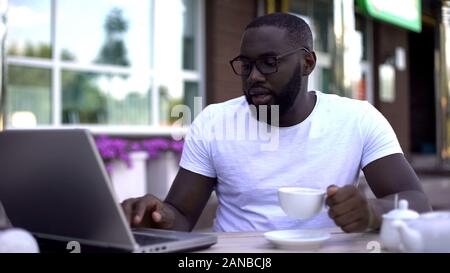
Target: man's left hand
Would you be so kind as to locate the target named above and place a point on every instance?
(349, 208)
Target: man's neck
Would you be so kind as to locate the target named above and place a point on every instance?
(302, 108)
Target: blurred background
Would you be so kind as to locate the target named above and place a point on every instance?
(118, 67)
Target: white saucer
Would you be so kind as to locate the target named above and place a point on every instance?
(297, 239)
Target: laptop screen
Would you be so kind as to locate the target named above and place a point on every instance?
(53, 183)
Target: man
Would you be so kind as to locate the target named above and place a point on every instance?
(323, 141)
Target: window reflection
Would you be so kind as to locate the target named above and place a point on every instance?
(168, 37)
(108, 32)
(29, 28)
(189, 34)
(113, 50)
(170, 98)
(108, 56)
(29, 92)
(97, 98)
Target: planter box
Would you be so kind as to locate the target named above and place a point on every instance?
(130, 182)
(161, 172)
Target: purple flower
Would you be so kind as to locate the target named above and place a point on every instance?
(155, 146)
(177, 146)
(112, 149)
(135, 146)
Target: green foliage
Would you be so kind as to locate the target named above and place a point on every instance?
(114, 51)
(28, 76)
(82, 98)
(43, 51)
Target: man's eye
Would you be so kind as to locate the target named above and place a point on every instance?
(270, 62)
(245, 66)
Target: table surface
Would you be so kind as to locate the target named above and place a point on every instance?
(255, 242)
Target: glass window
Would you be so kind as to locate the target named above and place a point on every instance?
(175, 42)
(109, 56)
(191, 90)
(29, 28)
(108, 32)
(28, 99)
(169, 98)
(168, 37)
(189, 34)
(323, 24)
(99, 98)
(319, 15)
(325, 79)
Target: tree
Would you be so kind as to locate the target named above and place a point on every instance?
(114, 50)
(83, 101)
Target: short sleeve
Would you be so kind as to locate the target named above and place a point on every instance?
(196, 156)
(378, 137)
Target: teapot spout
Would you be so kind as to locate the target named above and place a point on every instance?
(411, 240)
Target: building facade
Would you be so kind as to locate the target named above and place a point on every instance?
(395, 65)
(119, 67)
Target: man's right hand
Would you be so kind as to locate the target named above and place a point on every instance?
(148, 211)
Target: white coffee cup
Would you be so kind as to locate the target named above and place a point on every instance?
(301, 203)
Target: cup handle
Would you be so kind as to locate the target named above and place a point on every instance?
(325, 207)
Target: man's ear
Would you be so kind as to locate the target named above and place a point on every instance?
(309, 63)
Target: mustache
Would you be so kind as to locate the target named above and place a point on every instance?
(258, 90)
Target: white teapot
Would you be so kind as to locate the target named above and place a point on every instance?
(428, 233)
(389, 235)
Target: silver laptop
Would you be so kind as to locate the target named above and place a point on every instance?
(53, 183)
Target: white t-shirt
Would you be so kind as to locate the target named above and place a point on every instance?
(331, 146)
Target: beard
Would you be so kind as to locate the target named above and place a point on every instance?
(284, 100)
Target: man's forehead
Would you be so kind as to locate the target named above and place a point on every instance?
(264, 40)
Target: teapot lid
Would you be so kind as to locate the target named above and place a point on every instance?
(402, 212)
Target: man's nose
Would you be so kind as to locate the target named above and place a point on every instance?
(256, 75)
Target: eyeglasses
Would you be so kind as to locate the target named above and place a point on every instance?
(266, 65)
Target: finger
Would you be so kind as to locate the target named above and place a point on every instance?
(162, 217)
(156, 216)
(357, 226)
(346, 206)
(350, 217)
(332, 189)
(342, 195)
(145, 204)
(127, 207)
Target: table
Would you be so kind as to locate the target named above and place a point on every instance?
(255, 242)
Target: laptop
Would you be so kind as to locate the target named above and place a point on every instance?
(53, 183)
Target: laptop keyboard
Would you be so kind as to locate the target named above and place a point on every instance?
(144, 239)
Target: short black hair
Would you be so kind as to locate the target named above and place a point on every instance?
(299, 33)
